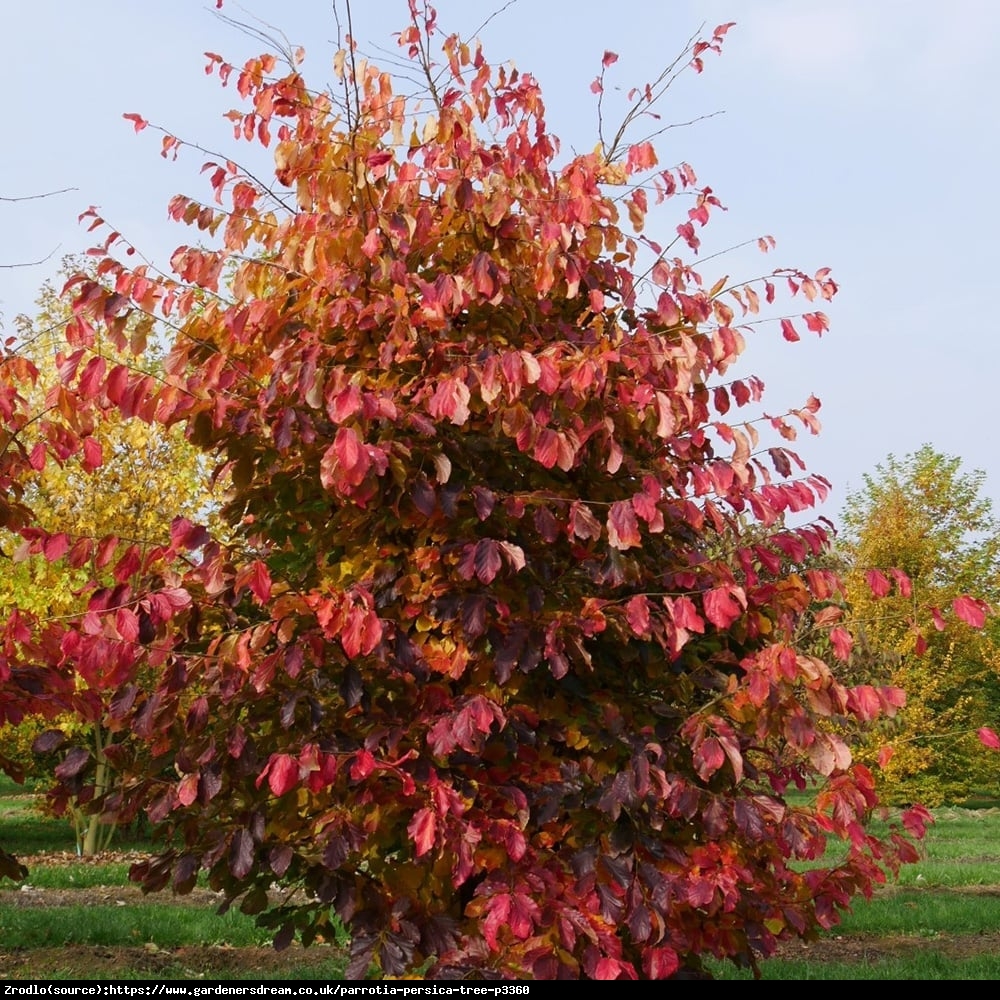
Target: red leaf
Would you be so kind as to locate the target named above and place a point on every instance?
(105, 551)
(788, 331)
(92, 377)
(138, 122)
(422, 829)
(362, 765)
(829, 753)
(609, 59)
(485, 276)
(345, 463)
(93, 456)
(864, 701)
(877, 583)
(842, 641)
(988, 738)
(817, 322)
(660, 963)
(916, 820)
(187, 790)
(902, 582)
(611, 968)
(970, 610)
(487, 560)
(637, 613)
(623, 528)
(450, 400)
(75, 761)
(547, 447)
(129, 564)
(892, 698)
(282, 774)
(370, 246)
(523, 912)
(732, 749)
(127, 624)
(56, 546)
(378, 160)
(708, 758)
(260, 581)
(724, 605)
(80, 553)
(685, 615)
(484, 501)
(241, 854)
(361, 631)
(721, 399)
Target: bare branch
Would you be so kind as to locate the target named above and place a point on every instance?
(31, 263)
(496, 13)
(35, 197)
(270, 35)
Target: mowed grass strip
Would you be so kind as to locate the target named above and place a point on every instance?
(920, 964)
(112, 925)
(25, 830)
(924, 912)
(72, 875)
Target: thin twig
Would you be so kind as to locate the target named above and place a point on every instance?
(31, 263)
(35, 197)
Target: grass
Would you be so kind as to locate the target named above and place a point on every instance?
(918, 965)
(77, 876)
(924, 912)
(114, 925)
(26, 829)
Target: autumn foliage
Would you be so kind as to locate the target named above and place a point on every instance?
(489, 667)
(924, 516)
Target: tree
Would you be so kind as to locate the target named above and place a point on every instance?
(128, 482)
(489, 670)
(929, 519)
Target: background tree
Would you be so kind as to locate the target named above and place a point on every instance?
(489, 670)
(128, 481)
(923, 515)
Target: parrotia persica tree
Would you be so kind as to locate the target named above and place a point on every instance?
(488, 674)
(925, 516)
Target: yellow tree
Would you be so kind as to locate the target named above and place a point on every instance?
(929, 520)
(130, 481)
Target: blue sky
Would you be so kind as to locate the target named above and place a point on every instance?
(862, 134)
